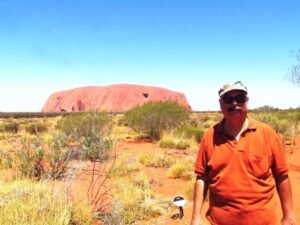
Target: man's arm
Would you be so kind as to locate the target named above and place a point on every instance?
(200, 192)
(285, 194)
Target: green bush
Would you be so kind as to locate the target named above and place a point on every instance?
(39, 160)
(95, 148)
(85, 124)
(56, 157)
(155, 117)
(91, 131)
(29, 158)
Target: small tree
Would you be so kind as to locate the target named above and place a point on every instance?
(294, 73)
(155, 117)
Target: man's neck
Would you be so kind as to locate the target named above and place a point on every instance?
(235, 128)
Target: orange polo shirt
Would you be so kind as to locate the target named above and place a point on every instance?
(241, 174)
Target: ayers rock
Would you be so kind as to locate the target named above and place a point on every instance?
(112, 98)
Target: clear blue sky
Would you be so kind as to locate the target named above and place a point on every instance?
(190, 46)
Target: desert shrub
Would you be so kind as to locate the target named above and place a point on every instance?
(209, 123)
(10, 126)
(114, 217)
(281, 126)
(121, 122)
(56, 157)
(156, 160)
(142, 137)
(29, 158)
(205, 119)
(190, 132)
(96, 148)
(176, 140)
(176, 144)
(36, 128)
(293, 119)
(182, 145)
(141, 180)
(81, 214)
(155, 117)
(183, 170)
(23, 121)
(5, 159)
(166, 143)
(39, 160)
(85, 124)
(38, 203)
(91, 130)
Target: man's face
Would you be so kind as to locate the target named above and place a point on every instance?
(234, 104)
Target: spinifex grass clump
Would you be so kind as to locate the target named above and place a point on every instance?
(181, 170)
(190, 132)
(182, 138)
(134, 202)
(155, 117)
(5, 159)
(157, 160)
(36, 128)
(28, 202)
(173, 143)
(10, 127)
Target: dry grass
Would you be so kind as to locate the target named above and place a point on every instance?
(38, 203)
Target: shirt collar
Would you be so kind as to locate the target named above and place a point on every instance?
(252, 125)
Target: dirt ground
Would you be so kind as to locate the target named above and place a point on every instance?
(167, 188)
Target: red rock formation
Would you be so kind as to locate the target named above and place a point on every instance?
(112, 98)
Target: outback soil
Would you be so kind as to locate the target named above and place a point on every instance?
(167, 188)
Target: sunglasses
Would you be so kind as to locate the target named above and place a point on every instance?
(240, 98)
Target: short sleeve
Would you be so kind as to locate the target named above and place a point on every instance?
(279, 162)
(201, 168)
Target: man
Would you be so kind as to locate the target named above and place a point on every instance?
(241, 161)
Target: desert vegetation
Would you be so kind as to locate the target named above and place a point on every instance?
(294, 73)
(90, 168)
